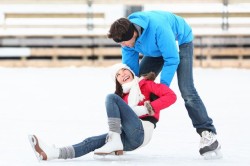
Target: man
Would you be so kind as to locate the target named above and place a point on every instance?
(165, 41)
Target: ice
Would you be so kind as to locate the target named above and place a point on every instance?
(63, 106)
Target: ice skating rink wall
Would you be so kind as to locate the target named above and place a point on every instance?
(58, 33)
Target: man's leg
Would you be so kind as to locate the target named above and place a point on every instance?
(209, 146)
(193, 103)
(151, 64)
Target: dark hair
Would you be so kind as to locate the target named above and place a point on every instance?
(119, 28)
(118, 87)
(149, 76)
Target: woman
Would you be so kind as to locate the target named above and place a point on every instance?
(131, 118)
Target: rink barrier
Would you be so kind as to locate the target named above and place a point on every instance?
(238, 57)
(89, 17)
(42, 37)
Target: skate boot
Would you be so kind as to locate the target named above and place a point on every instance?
(209, 146)
(113, 144)
(41, 150)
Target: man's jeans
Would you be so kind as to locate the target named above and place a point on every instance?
(132, 130)
(193, 103)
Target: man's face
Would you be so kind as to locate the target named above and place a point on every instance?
(129, 43)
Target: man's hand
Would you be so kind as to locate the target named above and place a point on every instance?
(150, 109)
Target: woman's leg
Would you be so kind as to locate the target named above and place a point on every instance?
(47, 152)
(132, 133)
(119, 114)
(89, 145)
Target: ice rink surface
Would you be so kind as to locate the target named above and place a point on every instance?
(63, 106)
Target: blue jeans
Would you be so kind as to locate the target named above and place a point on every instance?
(132, 135)
(193, 103)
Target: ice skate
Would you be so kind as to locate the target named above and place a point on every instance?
(215, 154)
(109, 157)
(41, 150)
(209, 146)
(113, 145)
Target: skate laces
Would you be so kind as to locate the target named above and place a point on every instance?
(207, 139)
(108, 138)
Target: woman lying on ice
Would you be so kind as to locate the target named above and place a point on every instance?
(131, 118)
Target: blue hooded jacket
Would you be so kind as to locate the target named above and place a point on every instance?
(160, 31)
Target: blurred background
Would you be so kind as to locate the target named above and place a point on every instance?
(61, 33)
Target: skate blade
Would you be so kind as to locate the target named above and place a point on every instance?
(108, 157)
(33, 143)
(213, 155)
(118, 153)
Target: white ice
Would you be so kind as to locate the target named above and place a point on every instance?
(63, 106)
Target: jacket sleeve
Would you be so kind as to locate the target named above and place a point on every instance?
(168, 48)
(131, 58)
(166, 96)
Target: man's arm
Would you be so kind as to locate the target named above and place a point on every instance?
(167, 45)
(131, 58)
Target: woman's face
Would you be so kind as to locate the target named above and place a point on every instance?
(124, 75)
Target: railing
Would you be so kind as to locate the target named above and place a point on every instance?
(75, 33)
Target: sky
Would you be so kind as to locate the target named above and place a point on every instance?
(63, 106)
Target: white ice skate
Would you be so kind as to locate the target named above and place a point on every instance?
(215, 154)
(41, 150)
(113, 145)
(209, 146)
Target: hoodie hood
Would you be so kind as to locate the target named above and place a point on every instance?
(141, 20)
